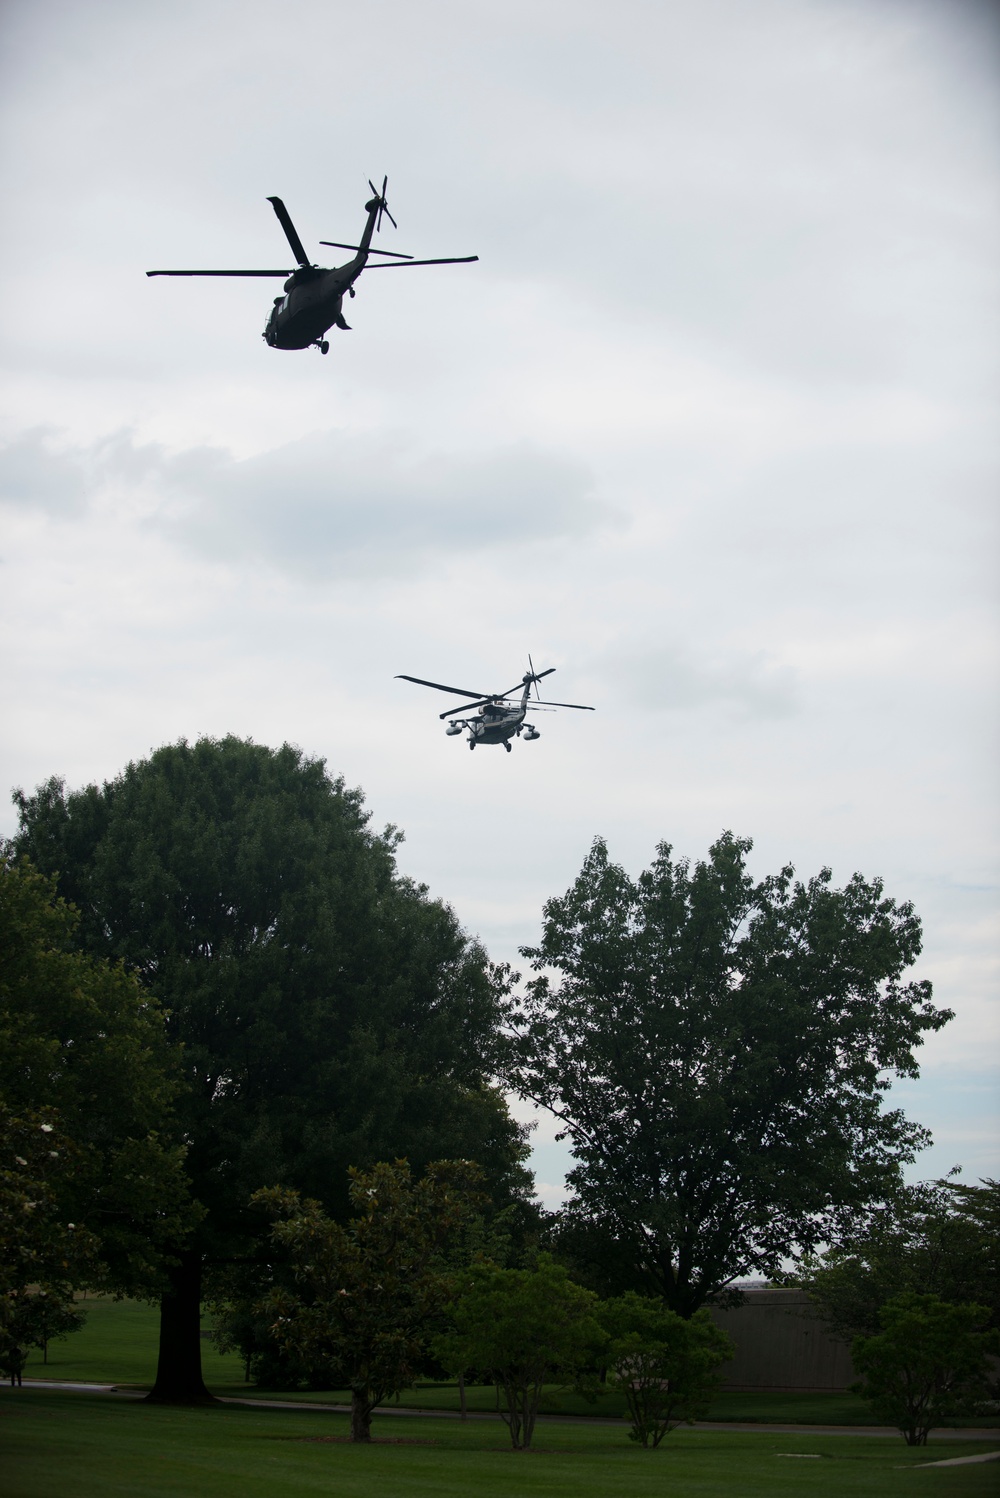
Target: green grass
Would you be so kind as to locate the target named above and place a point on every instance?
(52, 1444)
(118, 1345)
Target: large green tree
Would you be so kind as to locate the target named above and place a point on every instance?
(331, 1013)
(84, 1057)
(717, 1051)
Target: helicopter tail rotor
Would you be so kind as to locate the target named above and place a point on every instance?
(383, 206)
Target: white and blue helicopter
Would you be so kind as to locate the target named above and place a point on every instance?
(497, 720)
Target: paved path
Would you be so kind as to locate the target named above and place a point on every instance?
(755, 1428)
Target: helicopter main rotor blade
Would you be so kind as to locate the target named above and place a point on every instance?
(219, 273)
(466, 707)
(458, 691)
(582, 706)
(449, 260)
(335, 244)
(286, 223)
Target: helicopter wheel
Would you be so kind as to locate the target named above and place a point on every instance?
(506, 744)
(324, 347)
(472, 743)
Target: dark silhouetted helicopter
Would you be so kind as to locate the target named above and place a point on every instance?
(314, 298)
(497, 721)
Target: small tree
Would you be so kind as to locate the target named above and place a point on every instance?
(927, 1365)
(522, 1328)
(34, 1318)
(666, 1367)
(369, 1294)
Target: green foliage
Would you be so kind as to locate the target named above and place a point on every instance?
(330, 1012)
(42, 1254)
(717, 1051)
(81, 1037)
(34, 1318)
(929, 1363)
(522, 1328)
(369, 1293)
(935, 1238)
(666, 1367)
(38, 1245)
(327, 1012)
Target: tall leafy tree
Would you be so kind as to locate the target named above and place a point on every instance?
(717, 1050)
(85, 1062)
(331, 1014)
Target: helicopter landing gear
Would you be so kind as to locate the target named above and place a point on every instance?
(324, 347)
(472, 743)
(506, 744)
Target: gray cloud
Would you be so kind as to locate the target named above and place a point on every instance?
(674, 678)
(323, 506)
(36, 474)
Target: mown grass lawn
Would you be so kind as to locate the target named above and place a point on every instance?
(54, 1444)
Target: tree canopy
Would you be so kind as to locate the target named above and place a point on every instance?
(934, 1238)
(666, 1367)
(522, 1328)
(929, 1363)
(717, 1050)
(84, 1056)
(330, 1012)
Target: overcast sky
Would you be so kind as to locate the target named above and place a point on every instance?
(711, 428)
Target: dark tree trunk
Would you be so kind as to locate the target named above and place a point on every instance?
(361, 1417)
(178, 1369)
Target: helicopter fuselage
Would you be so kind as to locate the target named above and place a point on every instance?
(495, 725)
(314, 298)
(312, 304)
